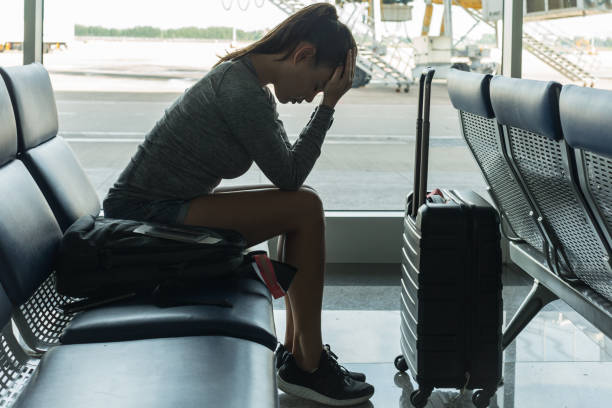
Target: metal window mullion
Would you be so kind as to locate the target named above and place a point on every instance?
(512, 42)
(33, 31)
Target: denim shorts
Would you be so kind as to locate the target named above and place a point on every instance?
(126, 207)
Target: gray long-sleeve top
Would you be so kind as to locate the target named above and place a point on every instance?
(216, 130)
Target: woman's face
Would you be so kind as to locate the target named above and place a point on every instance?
(301, 80)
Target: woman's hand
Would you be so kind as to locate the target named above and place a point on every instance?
(341, 81)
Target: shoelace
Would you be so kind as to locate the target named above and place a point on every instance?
(334, 360)
(281, 354)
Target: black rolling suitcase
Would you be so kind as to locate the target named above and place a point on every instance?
(451, 312)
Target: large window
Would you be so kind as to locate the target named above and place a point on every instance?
(116, 72)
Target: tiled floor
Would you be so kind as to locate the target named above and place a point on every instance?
(559, 360)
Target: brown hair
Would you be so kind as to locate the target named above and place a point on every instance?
(317, 24)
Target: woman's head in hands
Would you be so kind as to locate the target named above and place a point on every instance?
(306, 48)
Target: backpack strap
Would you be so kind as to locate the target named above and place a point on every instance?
(93, 302)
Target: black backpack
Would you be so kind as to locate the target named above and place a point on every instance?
(104, 258)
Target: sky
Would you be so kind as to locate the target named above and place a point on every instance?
(206, 13)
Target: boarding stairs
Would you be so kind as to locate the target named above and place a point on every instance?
(392, 68)
(582, 64)
(546, 53)
(557, 61)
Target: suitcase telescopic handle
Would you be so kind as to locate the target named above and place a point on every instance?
(417, 146)
(421, 148)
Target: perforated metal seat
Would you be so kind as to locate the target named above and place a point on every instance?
(16, 367)
(529, 112)
(469, 94)
(589, 132)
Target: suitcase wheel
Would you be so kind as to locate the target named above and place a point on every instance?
(400, 363)
(419, 398)
(481, 398)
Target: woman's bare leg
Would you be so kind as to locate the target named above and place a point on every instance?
(262, 213)
(289, 337)
(280, 251)
(289, 329)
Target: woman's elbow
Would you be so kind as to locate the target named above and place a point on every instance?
(290, 184)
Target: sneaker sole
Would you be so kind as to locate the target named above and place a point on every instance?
(307, 393)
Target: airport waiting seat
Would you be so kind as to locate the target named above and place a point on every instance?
(155, 373)
(529, 113)
(48, 158)
(193, 371)
(161, 373)
(16, 367)
(29, 239)
(186, 372)
(29, 234)
(587, 128)
(485, 138)
(469, 94)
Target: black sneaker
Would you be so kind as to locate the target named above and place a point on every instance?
(329, 384)
(281, 353)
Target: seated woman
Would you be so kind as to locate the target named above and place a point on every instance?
(216, 130)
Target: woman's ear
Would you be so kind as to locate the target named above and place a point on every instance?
(303, 52)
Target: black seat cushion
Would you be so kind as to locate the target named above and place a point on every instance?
(29, 233)
(183, 372)
(48, 157)
(34, 102)
(249, 317)
(62, 180)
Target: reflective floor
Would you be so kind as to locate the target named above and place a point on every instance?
(559, 360)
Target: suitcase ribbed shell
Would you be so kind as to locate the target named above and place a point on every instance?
(451, 312)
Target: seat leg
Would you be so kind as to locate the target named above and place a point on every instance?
(538, 297)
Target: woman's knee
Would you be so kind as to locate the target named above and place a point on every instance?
(311, 203)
